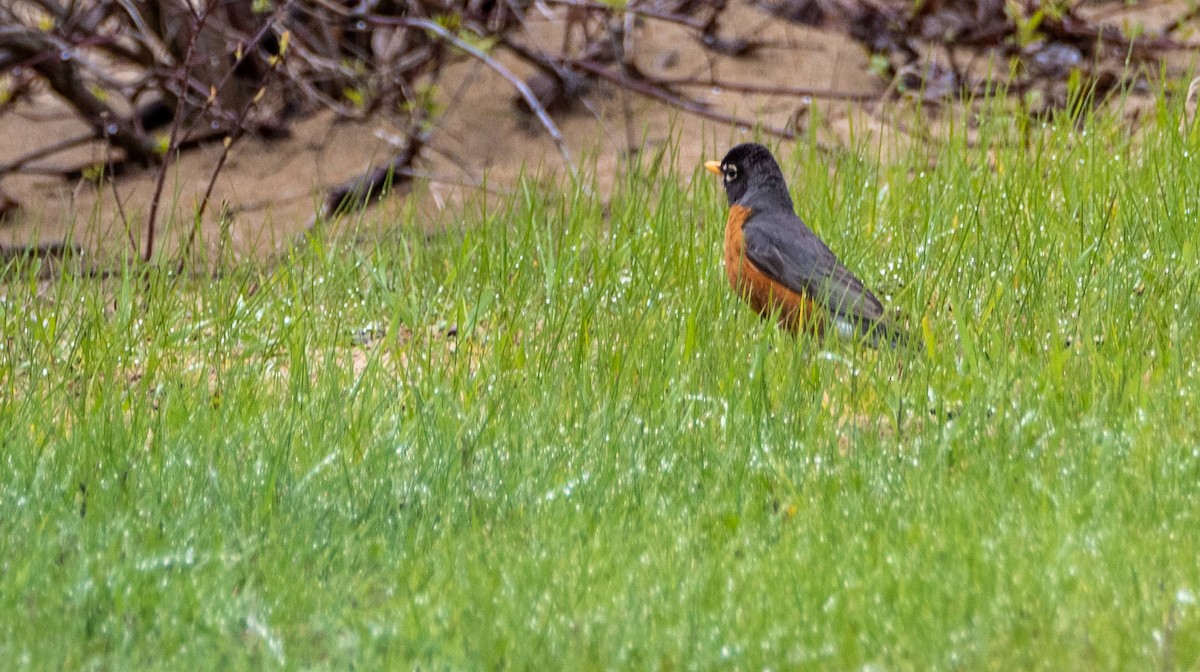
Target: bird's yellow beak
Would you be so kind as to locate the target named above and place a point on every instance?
(713, 167)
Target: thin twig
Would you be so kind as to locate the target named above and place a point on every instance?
(146, 37)
(41, 251)
(686, 104)
(668, 17)
(185, 75)
(767, 89)
(42, 53)
(246, 49)
(112, 182)
(42, 152)
(498, 67)
(539, 59)
(235, 134)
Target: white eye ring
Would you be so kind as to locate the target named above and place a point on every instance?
(730, 173)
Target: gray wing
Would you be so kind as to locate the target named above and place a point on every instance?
(788, 252)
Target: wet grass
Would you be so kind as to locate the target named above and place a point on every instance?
(550, 438)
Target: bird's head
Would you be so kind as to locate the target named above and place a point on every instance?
(751, 177)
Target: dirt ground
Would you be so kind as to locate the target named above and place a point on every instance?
(269, 189)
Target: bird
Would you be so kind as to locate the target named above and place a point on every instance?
(780, 267)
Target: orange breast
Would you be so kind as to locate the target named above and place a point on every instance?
(796, 311)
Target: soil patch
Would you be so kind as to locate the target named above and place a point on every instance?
(268, 190)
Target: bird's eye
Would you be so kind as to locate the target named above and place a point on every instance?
(730, 173)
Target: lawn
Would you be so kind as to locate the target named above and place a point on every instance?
(550, 438)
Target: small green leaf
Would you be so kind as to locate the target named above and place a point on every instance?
(354, 97)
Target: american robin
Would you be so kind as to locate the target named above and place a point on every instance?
(777, 264)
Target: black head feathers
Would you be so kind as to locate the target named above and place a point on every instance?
(752, 178)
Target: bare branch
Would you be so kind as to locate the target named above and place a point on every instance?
(43, 152)
(647, 12)
(686, 104)
(45, 54)
(768, 90)
(498, 68)
(184, 75)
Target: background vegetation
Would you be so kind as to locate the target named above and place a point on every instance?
(550, 438)
(148, 80)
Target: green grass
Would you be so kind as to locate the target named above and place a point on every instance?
(613, 464)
